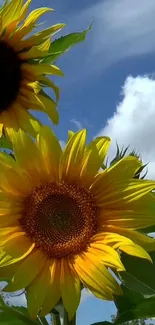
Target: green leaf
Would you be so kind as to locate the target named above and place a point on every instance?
(4, 143)
(128, 300)
(140, 273)
(145, 309)
(63, 44)
(11, 315)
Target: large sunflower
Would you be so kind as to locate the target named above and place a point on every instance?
(63, 221)
(21, 76)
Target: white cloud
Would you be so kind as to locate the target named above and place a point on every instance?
(121, 29)
(76, 123)
(133, 123)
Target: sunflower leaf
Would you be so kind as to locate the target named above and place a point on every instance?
(143, 309)
(128, 300)
(63, 44)
(4, 143)
(139, 275)
(11, 315)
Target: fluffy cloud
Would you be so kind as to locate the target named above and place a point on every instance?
(133, 122)
(76, 123)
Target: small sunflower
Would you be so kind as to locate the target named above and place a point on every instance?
(63, 221)
(21, 74)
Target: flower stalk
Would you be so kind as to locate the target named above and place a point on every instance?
(55, 319)
(66, 320)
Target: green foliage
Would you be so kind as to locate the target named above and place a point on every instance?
(137, 306)
(138, 285)
(140, 273)
(63, 44)
(11, 315)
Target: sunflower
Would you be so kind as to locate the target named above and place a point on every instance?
(63, 221)
(21, 74)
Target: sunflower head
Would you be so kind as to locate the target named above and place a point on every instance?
(63, 221)
(22, 76)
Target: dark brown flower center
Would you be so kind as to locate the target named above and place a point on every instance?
(10, 76)
(59, 218)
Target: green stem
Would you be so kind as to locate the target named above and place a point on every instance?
(66, 319)
(43, 320)
(55, 319)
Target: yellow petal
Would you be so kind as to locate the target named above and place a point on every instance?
(39, 69)
(50, 108)
(36, 38)
(28, 122)
(36, 51)
(10, 211)
(27, 271)
(4, 232)
(1, 129)
(70, 288)
(33, 86)
(71, 161)
(94, 156)
(53, 293)
(33, 102)
(10, 220)
(28, 156)
(131, 215)
(70, 134)
(33, 53)
(11, 28)
(10, 122)
(8, 231)
(50, 151)
(24, 9)
(7, 272)
(12, 182)
(107, 254)
(123, 243)
(101, 145)
(148, 243)
(117, 185)
(15, 248)
(11, 12)
(28, 90)
(1, 23)
(6, 210)
(45, 45)
(95, 276)
(37, 290)
(7, 160)
(29, 23)
(46, 81)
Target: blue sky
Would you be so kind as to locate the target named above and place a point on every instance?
(120, 44)
(118, 52)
